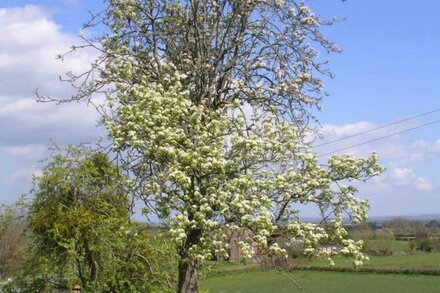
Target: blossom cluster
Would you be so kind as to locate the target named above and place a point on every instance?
(205, 171)
(239, 162)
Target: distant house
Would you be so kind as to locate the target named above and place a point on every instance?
(234, 239)
(283, 240)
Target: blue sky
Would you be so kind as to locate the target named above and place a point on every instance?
(386, 72)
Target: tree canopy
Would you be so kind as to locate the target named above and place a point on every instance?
(79, 224)
(208, 109)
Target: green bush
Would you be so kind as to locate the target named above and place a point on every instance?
(375, 242)
(381, 243)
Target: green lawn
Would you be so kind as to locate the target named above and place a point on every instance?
(418, 260)
(220, 265)
(232, 280)
(311, 281)
(399, 245)
(396, 245)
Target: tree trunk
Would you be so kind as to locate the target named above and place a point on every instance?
(188, 277)
(93, 271)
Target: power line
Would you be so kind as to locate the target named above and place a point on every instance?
(380, 138)
(377, 128)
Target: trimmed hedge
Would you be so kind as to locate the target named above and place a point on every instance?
(406, 271)
(254, 268)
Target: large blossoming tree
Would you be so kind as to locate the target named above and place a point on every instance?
(208, 106)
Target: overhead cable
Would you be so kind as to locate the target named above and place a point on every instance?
(380, 138)
(377, 128)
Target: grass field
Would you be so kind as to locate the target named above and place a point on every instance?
(400, 245)
(396, 245)
(311, 281)
(235, 277)
(418, 260)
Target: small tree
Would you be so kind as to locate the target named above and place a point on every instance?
(79, 217)
(208, 110)
(423, 240)
(13, 239)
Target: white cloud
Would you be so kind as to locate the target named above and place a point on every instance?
(29, 151)
(70, 2)
(436, 147)
(421, 144)
(358, 139)
(402, 176)
(350, 138)
(25, 121)
(422, 184)
(401, 155)
(29, 44)
(417, 157)
(391, 150)
(334, 131)
(25, 174)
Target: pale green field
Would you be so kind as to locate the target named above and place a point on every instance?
(312, 281)
(324, 281)
(418, 260)
(397, 245)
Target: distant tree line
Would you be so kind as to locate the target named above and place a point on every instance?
(422, 235)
